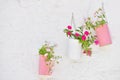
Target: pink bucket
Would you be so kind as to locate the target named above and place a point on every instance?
(103, 35)
(43, 67)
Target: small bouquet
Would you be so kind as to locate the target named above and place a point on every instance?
(84, 35)
(101, 28)
(47, 58)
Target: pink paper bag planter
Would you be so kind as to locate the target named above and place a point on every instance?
(43, 67)
(103, 35)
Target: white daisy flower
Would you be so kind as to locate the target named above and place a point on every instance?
(46, 54)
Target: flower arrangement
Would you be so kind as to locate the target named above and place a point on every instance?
(84, 35)
(47, 50)
(100, 17)
(101, 28)
(88, 38)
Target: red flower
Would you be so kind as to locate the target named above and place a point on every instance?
(89, 52)
(77, 34)
(69, 33)
(86, 33)
(69, 27)
(83, 37)
(96, 42)
(84, 51)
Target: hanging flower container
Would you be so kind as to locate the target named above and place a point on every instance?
(80, 41)
(74, 49)
(103, 35)
(44, 68)
(101, 28)
(47, 59)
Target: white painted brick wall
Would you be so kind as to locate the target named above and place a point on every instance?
(26, 24)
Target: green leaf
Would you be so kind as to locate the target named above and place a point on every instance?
(65, 30)
(78, 30)
(104, 15)
(42, 51)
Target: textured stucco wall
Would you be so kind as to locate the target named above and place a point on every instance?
(26, 24)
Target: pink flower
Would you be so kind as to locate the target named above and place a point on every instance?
(86, 33)
(83, 37)
(95, 14)
(96, 42)
(69, 33)
(69, 27)
(77, 34)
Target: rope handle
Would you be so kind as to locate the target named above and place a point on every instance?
(73, 21)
